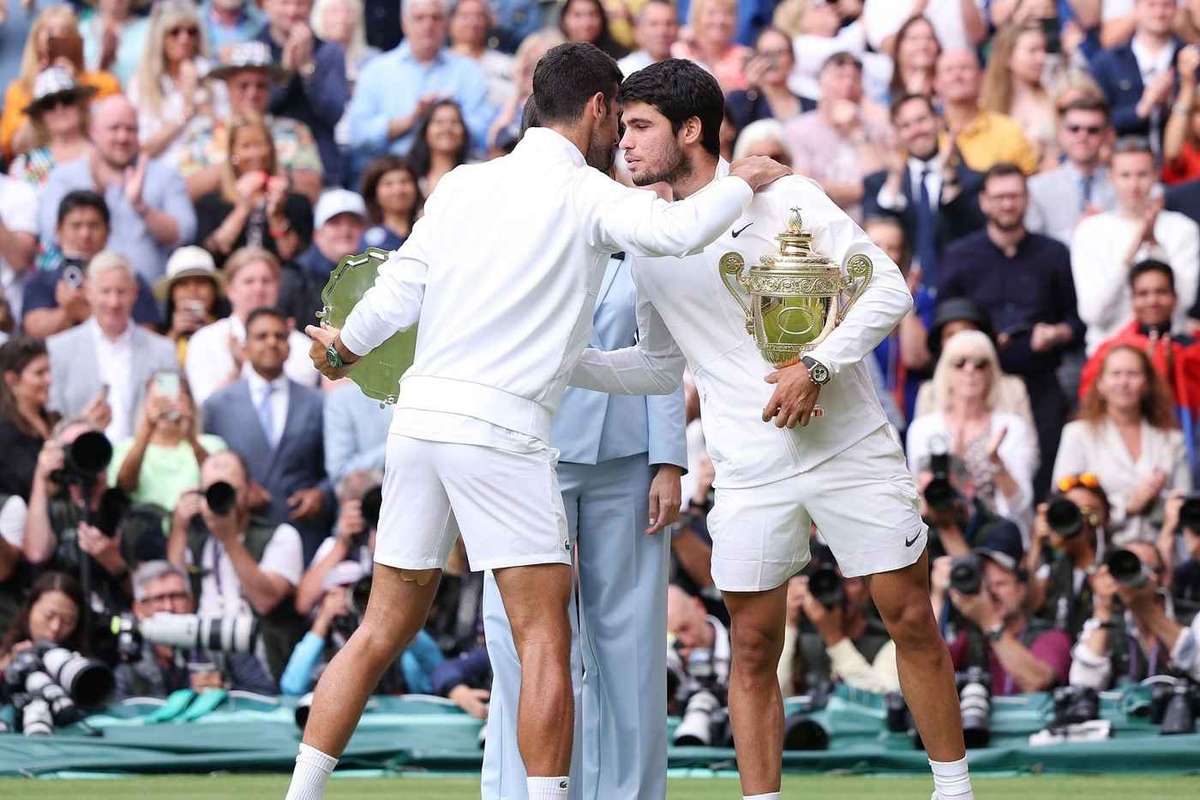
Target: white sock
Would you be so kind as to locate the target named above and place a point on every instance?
(547, 788)
(767, 796)
(950, 780)
(312, 772)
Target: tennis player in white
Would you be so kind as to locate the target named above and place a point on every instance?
(501, 274)
(842, 470)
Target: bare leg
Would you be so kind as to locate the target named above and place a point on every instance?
(535, 599)
(926, 674)
(755, 702)
(396, 611)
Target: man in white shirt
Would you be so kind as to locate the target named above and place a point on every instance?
(18, 239)
(214, 354)
(1104, 246)
(842, 470)
(655, 31)
(502, 273)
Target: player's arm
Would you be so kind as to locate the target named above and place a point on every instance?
(637, 221)
(653, 366)
(886, 300)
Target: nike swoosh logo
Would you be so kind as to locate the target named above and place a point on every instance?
(910, 542)
(740, 230)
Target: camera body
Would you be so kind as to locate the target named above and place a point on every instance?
(1189, 514)
(825, 585)
(966, 574)
(705, 720)
(1175, 706)
(1074, 705)
(48, 684)
(940, 493)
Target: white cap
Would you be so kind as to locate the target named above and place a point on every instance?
(338, 201)
(344, 573)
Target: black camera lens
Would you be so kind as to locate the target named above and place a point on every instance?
(1064, 517)
(966, 574)
(1189, 514)
(89, 453)
(371, 502)
(826, 586)
(220, 497)
(1126, 568)
(940, 494)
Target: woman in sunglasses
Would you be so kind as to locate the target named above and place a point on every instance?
(167, 90)
(997, 449)
(1127, 435)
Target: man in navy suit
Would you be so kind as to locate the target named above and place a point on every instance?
(620, 460)
(275, 425)
(1137, 78)
(934, 201)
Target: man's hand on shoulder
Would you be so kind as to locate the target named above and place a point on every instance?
(758, 171)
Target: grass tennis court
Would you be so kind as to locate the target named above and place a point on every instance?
(190, 787)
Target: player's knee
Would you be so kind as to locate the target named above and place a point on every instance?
(911, 624)
(756, 649)
(378, 644)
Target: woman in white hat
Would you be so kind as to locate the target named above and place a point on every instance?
(58, 115)
(168, 89)
(54, 40)
(191, 292)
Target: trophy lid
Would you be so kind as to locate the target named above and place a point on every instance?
(795, 249)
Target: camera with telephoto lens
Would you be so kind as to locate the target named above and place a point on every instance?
(371, 503)
(1189, 514)
(975, 703)
(1064, 517)
(220, 497)
(1174, 705)
(84, 460)
(1127, 569)
(1074, 705)
(825, 585)
(63, 678)
(940, 493)
(33, 714)
(233, 634)
(966, 574)
(705, 720)
(345, 624)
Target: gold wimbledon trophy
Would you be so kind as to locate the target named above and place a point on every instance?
(797, 297)
(377, 373)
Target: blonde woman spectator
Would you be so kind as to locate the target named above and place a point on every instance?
(59, 114)
(114, 38)
(163, 459)
(167, 90)
(1126, 434)
(763, 138)
(341, 22)
(1012, 85)
(507, 127)
(997, 448)
(53, 41)
(470, 23)
(712, 26)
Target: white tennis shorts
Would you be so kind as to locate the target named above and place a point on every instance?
(506, 506)
(863, 501)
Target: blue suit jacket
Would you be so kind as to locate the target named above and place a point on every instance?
(298, 462)
(591, 427)
(1116, 70)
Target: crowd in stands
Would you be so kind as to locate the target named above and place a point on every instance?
(180, 180)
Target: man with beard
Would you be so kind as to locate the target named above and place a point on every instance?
(501, 276)
(1024, 281)
(842, 469)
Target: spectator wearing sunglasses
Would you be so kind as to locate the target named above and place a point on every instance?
(1024, 282)
(1059, 198)
(1127, 436)
(997, 449)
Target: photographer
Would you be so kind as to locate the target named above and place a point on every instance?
(50, 615)
(850, 645)
(241, 563)
(1021, 654)
(353, 537)
(1180, 534)
(1072, 523)
(701, 642)
(1182, 643)
(1114, 647)
(74, 523)
(159, 586)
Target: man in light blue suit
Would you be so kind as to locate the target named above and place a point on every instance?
(620, 460)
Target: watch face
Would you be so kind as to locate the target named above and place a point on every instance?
(818, 373)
